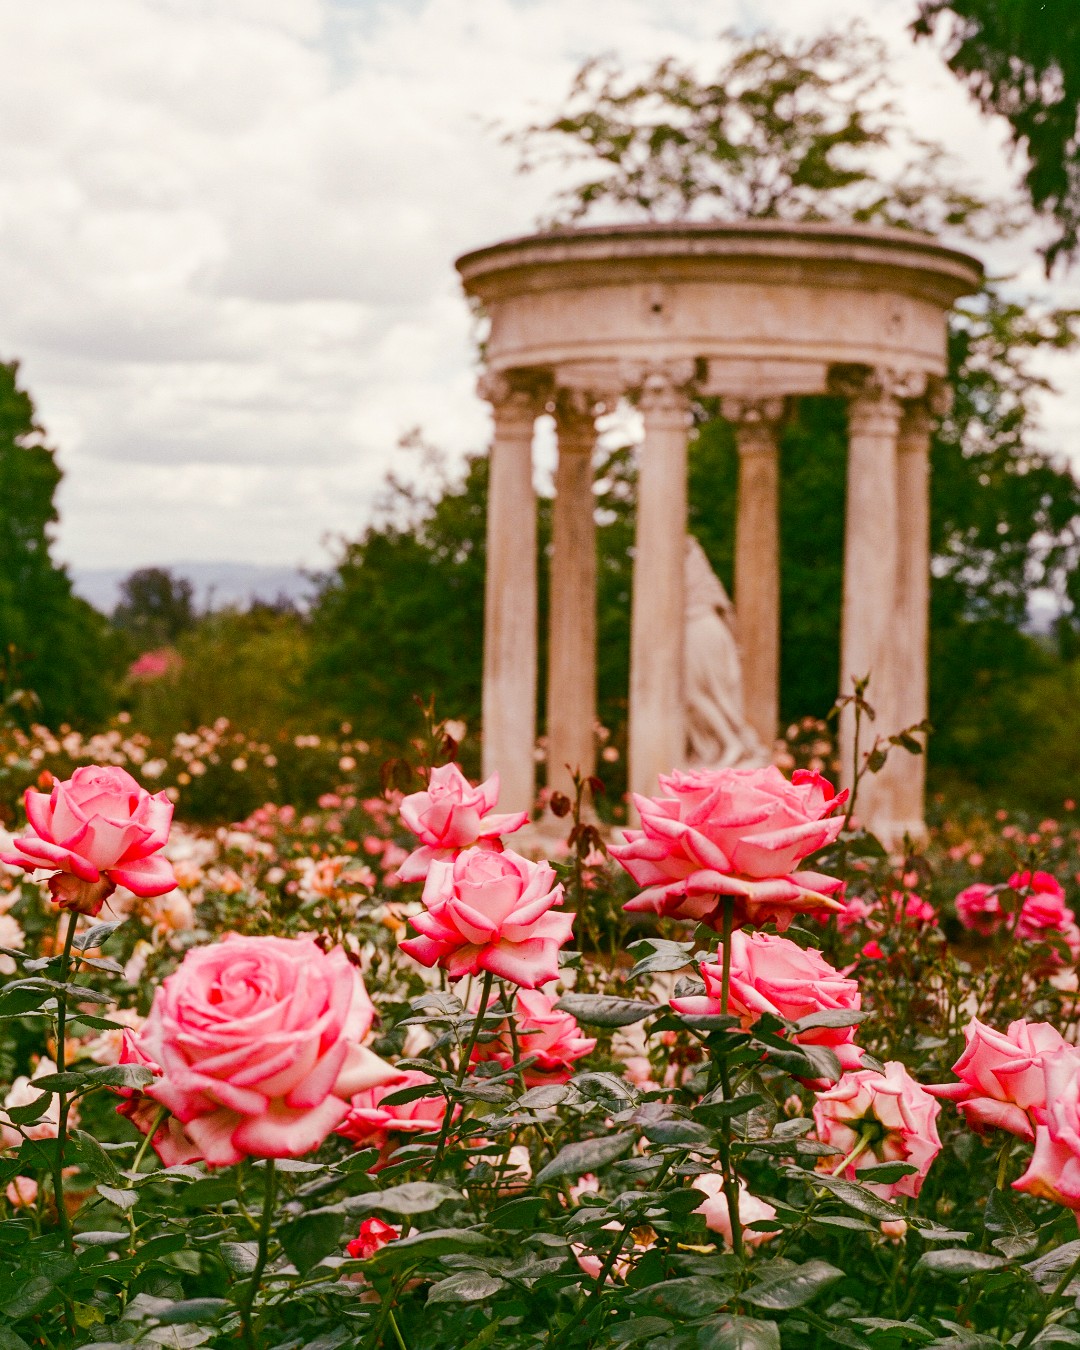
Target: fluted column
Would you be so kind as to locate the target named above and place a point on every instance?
(871, 551)
(757, 556)
(571, 691)
(510, 611)
(657, 684)
(905, 774)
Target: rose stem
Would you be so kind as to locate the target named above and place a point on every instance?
(61, 1066)
(269, 1193)
(731, 1186)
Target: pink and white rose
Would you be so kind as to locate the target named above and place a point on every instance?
(260, 1045)
(1054, 1170)
(1002, 1084)
(450, 815)
(488, 911)
(717, 1216)
(893, 1113)
(372, 1120)
(733, 832)
(97, 830)
(552, 1037)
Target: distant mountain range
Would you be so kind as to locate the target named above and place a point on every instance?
(216, 585)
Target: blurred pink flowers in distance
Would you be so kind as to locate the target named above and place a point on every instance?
(892, 1114)
(156, 664)
(1043, 914)
(259, 1043)
(771, 974)
(733, 832)
(450, 815)
(489, 911)
(552, 1037)
(1002, 1085)
(101, 830)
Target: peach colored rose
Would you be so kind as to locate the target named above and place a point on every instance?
(259, 1041)
(97, 830)
(737, 832)
(371, 1121)
(1002, 1085)
(1054, 1170)
(900, 1120)
(493, 912)
(771, 974)
(553, 1038)
(717, 1217)
(451, 814)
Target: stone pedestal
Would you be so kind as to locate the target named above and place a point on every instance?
(757, 556)
(571, 691)
(657, 698)
(510, 615)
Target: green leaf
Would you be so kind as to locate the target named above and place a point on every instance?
(684, 1132)
(958, 1261)
(104, 1238)
(637, 1330)
(540, 1098)
(834, 1017)
(585, 1155)
(120, 1075)
(1004, 1215)
(309, 1238)
(240, 1257)
(30, 1298)
(411, 1197)
(95, 936)
(118, 1196)
(26, 1115)
(851, 1193)
(10, 1340)
(96, 1161)
(1048, 1269)
(51, 1083)
(468, 1286)
(193, 1310)
(434, 1242)
(739, 1333)
(659, 954)
(885, 1173)
(602, 1010)
(792, 1288)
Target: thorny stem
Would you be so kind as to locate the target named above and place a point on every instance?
(61, 1066)
(252, 1291)
(463, 1066)
(731, 1185)
(155, 1125)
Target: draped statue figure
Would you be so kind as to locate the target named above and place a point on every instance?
(717, 732)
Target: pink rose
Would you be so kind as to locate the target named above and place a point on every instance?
(171, 1142)
(1002, 1085)
(979, 909)
(1044, 913)
(491, 911)
(451, 815)
(552, 1037)
(372, 1121)
(771, 974)
(101, 830)
(1054, 1170)
(259, 1044)
(893, 1112)
(374, 1234)
(715, 1210)
(738, 832)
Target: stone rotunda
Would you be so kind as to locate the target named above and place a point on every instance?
(758, 314)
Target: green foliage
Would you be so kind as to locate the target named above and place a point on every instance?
(787, 129)
(155, 607)
(1021, 60)
(52, 642)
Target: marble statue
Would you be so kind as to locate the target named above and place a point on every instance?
(717, 732)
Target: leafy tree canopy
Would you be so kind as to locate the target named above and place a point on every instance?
(1021, 59)
(155, 607)
(800, 129)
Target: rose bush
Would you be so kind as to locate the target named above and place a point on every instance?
(302, 1102)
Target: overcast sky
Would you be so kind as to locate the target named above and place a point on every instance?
(227, 230)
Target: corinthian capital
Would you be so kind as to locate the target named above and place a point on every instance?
(876, 384)
(515, 392)
(752, 411)
(663, 387)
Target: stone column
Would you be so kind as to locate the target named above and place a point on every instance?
(905, 774)
(657, 635)
(571, 691)
(757, 556)
(510, 618)
(871, 551)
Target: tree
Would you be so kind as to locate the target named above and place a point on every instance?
(791, 130)
(1021, 60)
(55, 644)
(155, 607)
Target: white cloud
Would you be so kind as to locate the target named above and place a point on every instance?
(227, 230)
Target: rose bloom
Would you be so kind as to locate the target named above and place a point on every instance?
(717, 1217)
(1054, 1170)
(492, 912)
(552, 1037)
(259, 1041)
(592, 1262)
(897, 1114)
(737, 832)
(97, 830)
(771, 974)
(1044, 913)
(22, 1093)
(451, 814)
(372, 1121)
(1002, 1085)
(373, 1235)
(22, 1193)
(979, 909)
(171, 1142)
